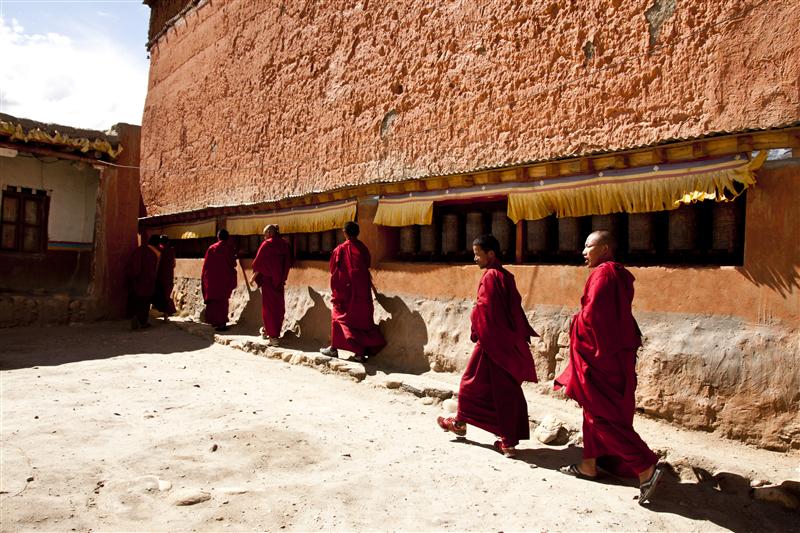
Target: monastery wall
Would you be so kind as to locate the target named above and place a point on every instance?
(253, 101)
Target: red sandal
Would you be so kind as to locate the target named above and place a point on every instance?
(451, 424)
(508, 451)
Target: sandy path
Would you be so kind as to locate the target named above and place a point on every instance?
(99, 416)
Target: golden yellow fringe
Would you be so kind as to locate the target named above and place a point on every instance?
(306, 221)
(406, 214)
(639, 197)
(16, 133)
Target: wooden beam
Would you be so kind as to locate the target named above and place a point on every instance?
(518, 244)
(38, 150)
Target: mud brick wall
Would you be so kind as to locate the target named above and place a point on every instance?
(255, 100)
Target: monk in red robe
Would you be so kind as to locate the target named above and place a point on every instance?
(270, 270)
(490, 395)
(218, 280)
(165, 279)
(601, 373)
(140, 276)
(352, 324)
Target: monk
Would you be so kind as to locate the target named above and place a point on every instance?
(601, 373)
(352, 324)
(165, 279)
(140, 276)
(490, 395)
(270, 270)
(218, 280)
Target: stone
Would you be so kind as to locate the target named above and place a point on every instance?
(297, 359)
(164, 485)
(563, 339)
(358, 373)
(450, 405)
(428, 400)
(190, 497)
(392, 383)
(776, 494)
(547, 431)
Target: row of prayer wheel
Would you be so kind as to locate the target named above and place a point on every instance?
(498, 225)
(320, 242)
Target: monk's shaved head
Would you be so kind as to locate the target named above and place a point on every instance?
(603, 236)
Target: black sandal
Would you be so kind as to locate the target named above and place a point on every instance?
(574, 471)
(648, 488)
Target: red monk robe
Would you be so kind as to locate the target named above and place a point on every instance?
(352, 324)
(601, 374)
(140, 277)
(273, 261)
(218, 282)
(490, 396)
(165, 280)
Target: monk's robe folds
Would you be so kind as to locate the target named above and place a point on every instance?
(218, 281)
(273, 261)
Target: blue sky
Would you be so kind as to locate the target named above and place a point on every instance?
(81, 63)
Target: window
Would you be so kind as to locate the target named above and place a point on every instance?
(24, 220)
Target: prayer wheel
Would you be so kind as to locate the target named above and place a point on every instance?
(408, 239)
(641, 232)
(254, 242)
(501, 229)
(314, 242)
(300, 242)
(725, 227)
(537, 238)
(569, 235)
(682, 236)
(427, 239)
(474, 227)
(328, 241)
(607, 222)
(449, 233)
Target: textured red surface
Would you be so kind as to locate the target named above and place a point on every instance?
(253, 101)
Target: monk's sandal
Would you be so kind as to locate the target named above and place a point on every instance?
(330, 352)
(451, 424)
(648, 488)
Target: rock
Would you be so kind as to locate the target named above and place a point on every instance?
(548, 429)
(428, 400)
(286, 356)
(777, 495)
(450, 405)
(298, 359)
(357, 372)
(164, 485)
(563, 339)
(392, 383)
(214, 447)
(412, 389)
(191, 497)
(758, 483)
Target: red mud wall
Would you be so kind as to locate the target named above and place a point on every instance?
(251, 101)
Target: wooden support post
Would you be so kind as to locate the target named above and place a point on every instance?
(518, 248)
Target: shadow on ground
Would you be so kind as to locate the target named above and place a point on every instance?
(33, 346)
(723, 500)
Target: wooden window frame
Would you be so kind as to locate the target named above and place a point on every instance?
(23, 195)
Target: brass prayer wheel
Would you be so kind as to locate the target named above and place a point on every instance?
(501, 229)
(725, 227)
(537, 238)
(474, 227)
(569, 235)
(427, 239)
(450, 233)
(682, 235)
(328, 240)
(300, 242)
(610, 223)
(641, 232)
(314, 242)
(408, 239)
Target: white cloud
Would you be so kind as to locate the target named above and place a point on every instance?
(88, 82)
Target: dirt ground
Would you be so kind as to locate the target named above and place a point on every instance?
(108, 429)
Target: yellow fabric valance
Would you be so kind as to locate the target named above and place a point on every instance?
(417, 207)
(195, 230)
(638, 190)
(310, 219)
